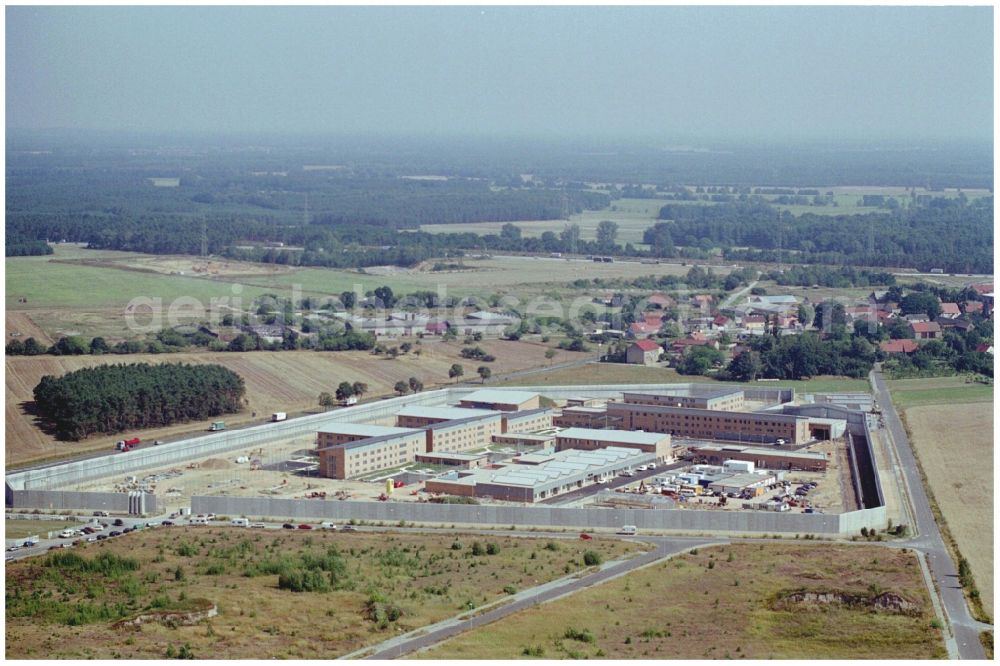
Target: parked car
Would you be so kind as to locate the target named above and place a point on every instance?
(101, 514)
(114, 533)
(305, 526)
(585, 536)
(102, 537)
(128, 529)
(651, 465)
(288, 526)
(327, 526)
(118, 522)
(643, 468)
(258, 526)
(13, 548)
(92, 539)
(348, 528)
(167, 523)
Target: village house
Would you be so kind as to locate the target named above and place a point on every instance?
(899, 346)
(643, 352)
(926, 330)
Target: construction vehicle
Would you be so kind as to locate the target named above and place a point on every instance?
(127, 444)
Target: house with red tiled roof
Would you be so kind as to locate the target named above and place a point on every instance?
(642, 329)
(973, 307)
(720, 323)
(926, 330)
(643, 352)
(950, 310)
(985, 348)
(755, 323)
(661, 301)
(982, 288)
(702, 301)
(899, 346)
(681, 345)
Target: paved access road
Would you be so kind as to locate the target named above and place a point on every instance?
(428, 636)
(964, 627)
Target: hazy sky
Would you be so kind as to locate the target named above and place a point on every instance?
(665, 72)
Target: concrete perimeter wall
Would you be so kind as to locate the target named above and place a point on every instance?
(60, 500)
(114, 464)
(67, 475)
(553, 517)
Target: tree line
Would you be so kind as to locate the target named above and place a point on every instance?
(119, 397)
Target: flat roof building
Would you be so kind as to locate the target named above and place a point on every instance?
(528, 420)
(501, 399)
(589, 439)
(586, 417)
(724, 399)
(473, 432)
(463, 460)
(563, 472)
(418, 416)
(371, 454)
(333, 434)
(762, 458)
(711, 424)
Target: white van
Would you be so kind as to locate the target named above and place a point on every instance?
(328, 526)
(239, 522)
(198, 520)
(68, 534)
(628, 529)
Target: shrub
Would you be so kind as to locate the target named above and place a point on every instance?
(477, 548)
(591, 558)
(583, 636)
(492, 549)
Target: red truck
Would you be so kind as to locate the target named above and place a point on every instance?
(127, 444)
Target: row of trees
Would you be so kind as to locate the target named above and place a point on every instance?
(118, 397)
(344, 391)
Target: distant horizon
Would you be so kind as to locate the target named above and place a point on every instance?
(834, 74)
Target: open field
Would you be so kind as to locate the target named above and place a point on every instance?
(70, 294)
(21, 326)
(726, 602)
(379, 584)
(22, 529)
(938, 391)
(276, 381)
(632, 215)
(951, 428)
(621, 373)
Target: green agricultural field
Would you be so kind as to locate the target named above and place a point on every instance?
(955, 390)
(286, 595)
(632, 215)
(51, 284)
(728, 602)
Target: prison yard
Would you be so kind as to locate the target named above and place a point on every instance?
(238, 594)
(738, 601)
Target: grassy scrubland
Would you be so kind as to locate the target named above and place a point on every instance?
(727, 602)
(281, 595)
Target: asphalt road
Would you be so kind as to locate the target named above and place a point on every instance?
(429, 636)
(964, 627)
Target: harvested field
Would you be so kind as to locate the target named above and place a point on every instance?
(729, 602)
(954, 443)
(21, 326)
(371, 587)
(276, 381)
